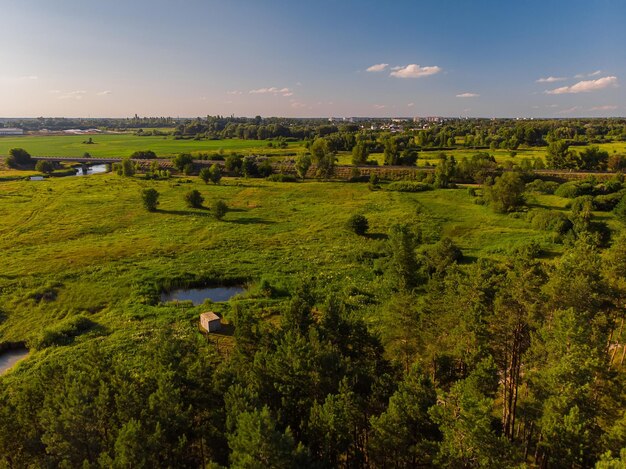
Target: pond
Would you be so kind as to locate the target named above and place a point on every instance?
(36, 178)
(93, 169)
(198, 295)
(10, 357)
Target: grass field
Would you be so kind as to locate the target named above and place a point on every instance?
(122, 145)
(88, 244)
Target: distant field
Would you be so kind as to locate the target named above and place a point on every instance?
(122, 145)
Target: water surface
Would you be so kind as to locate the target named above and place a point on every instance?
(198, 295)
(93, 169)
(10, 357)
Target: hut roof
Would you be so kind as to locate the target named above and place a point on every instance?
(209, 316)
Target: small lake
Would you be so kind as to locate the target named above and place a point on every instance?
(93, 169)
(198, 295)
(36, 178)
(10, 357)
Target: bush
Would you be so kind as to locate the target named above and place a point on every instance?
(265, 169)
(150, 198)
(573, 189)
(205, 175)
(280, 177)
(607, 202)
(18, 157)
(182, 161)
(357, 224)
(219, 209)
(542, 187)
(550, 220)
(143, 155)
(194, 199)
(409, 186)
(506, 193)
(44, 166)
(65, 332)
(620, 209)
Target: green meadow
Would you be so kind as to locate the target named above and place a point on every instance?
(123, 145)
(85, 245)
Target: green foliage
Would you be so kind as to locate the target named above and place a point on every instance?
(444, 172)
(405, 435)
(620, 209)
(357, 224)
(550, 220)
(303, 163)
(441, 256)
(506, 194)
(18, 157)
(409, 186)
(258, 443)
(182, 161)
(205, 174)
(150, 198)
(574, 189)
(143, 155)
(281, 177)
(323, 158)
(219, 209)
(542, 187)
(194, 199)
(360, 153)
(44, 166)
(64, 332)
(403, 265)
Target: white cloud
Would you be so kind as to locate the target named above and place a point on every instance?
(78, 95)
(273, 90)
(377, 68)
(29, 77)
(592, 74)
(235, 92)
(569, 110)
(297, 104)
(468, 95)
(414, 71)
(410, 104)
(585, 86)
(608, 107)
(104, 93)
(379, 106)
(551, 79)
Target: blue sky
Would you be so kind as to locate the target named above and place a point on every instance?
(288, 58)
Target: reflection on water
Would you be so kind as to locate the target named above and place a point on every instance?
(10, 357)
(198, 295)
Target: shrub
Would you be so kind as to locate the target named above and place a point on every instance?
(64, 332)
(194, 199)
(281, 177)
(409, 186)
(620, 209)
(182, 161)
(542, 187)
(607, 202)
(265, 169)
(150, 198)
(219, 209)
(205, 175)
(357, 224)
(215, 174)
(143, 155)
(573, 189)
(506, 193)
(233, 164)
(44, 166)
(550, 220)
(18, 157)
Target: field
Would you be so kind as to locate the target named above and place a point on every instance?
(122, 145)
(88, 245)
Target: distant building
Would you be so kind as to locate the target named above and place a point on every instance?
(11, 131)
(210, 321)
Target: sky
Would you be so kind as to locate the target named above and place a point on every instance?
(187, 58)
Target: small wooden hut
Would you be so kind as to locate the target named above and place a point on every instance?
(210, 321)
